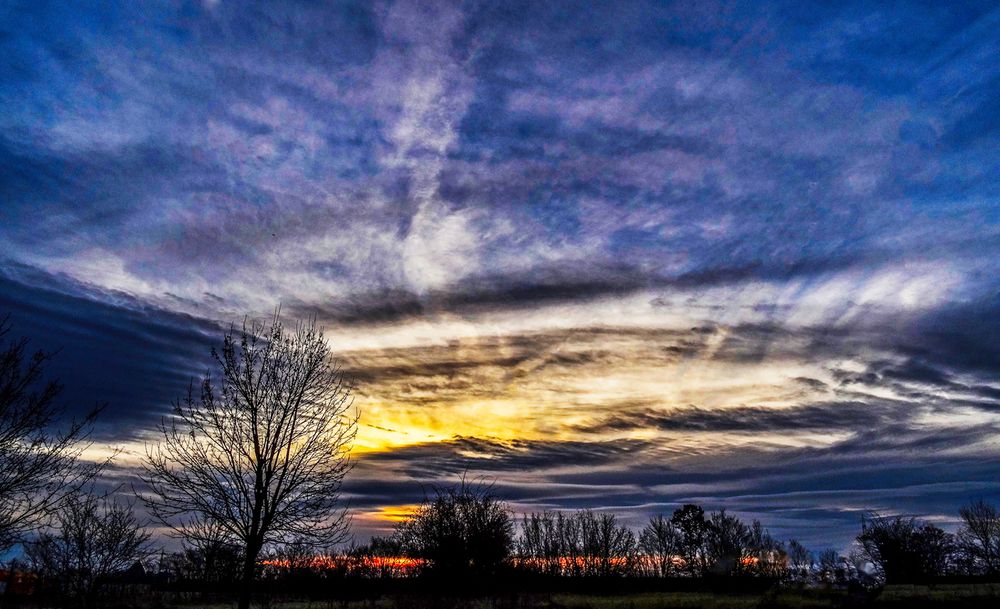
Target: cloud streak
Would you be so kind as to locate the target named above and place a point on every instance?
(650, 252)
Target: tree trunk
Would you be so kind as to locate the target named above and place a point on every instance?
(248, 576)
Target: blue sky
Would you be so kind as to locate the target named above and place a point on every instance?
(617, 255)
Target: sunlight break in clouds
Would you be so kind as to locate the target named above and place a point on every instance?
(620, 257)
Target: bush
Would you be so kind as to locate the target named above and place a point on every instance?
(464, 530)
(905, 551)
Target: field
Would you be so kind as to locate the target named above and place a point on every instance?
(963, 595)
(896, 597)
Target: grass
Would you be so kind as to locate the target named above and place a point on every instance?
(941, 594)
(892, 597)
(654, 600)
(657, 600)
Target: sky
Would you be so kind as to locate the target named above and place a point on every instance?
(618, 255)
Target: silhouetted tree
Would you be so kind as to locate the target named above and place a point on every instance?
(584, 543)
(379, 558)
(463, 530)
(767, 556)
(38, 466)
(298, 563)
(571, 536)
(979, 537)
(660, 544)
(728, 543)
(904, 550)
(800, 560)
(690, 522)
(94, 538)
(608, 548)
(211, 554)
(263, 453)
(832, 566)
(540, 546)
(736, 548)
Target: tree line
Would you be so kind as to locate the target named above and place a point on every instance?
(468, 531)
(247, 469)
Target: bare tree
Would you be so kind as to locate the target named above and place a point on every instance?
(800, 560)
(660, 542)
(608, 549)
(831, 566)
(571, 540)
(94, 538)
(979, 536)
(378, 559)
(767, 556)
(728, 543)
(583, 543)
(689, 520)
(38, 466)
(540, 547)
(210, 554)
(263, 453)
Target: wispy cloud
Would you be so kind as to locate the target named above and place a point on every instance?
(652, 253)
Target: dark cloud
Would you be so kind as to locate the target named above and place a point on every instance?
(109, 348)
(964, 336)
(829, 417)
(813, 493)
(543, 286)
(570, 282)
(430, 460)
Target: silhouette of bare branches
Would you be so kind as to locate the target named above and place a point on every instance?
(39, 467)
(261, 452)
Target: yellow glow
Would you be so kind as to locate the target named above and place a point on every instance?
(394, 513)
(561, 385)
(552, 386)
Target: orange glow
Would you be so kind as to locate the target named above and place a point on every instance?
(569, 563)
(400, 565)
(404, 566)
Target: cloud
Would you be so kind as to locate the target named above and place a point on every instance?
(811, 417)
(813, 493)
(429, 461)
(388, 160)
(109, 348)
(652, 252)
